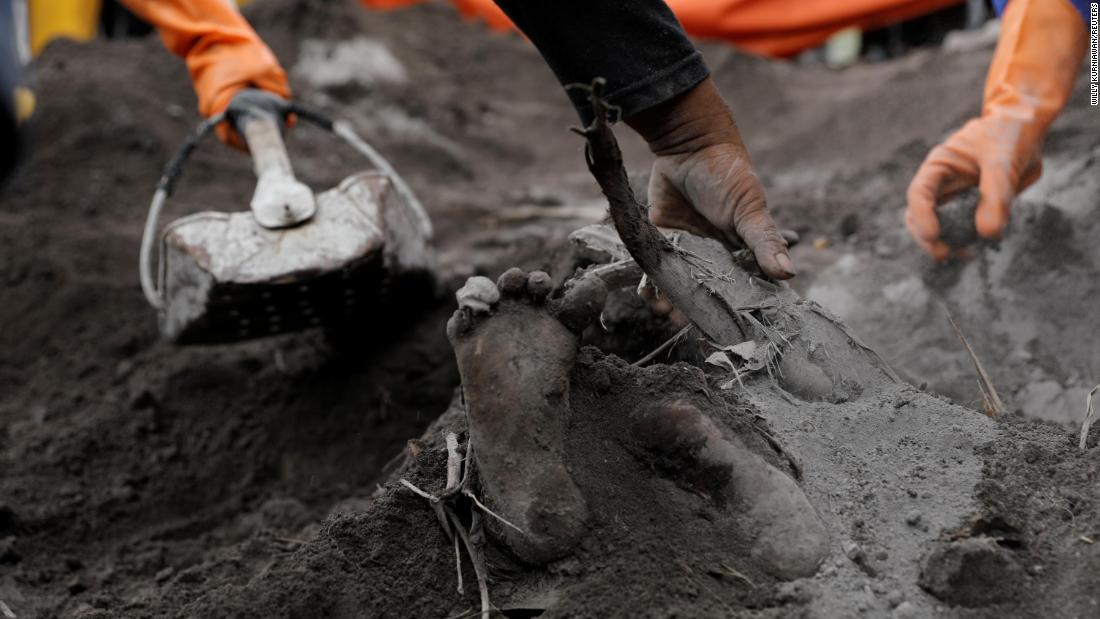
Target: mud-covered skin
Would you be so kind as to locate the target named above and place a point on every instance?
(515, 353)
(515, 357)
(790, 540)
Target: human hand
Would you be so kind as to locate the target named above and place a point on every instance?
(1000, 156)
(1038, 56)
(703, 180)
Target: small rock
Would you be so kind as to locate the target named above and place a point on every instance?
(905, 610)
(895, 597)
(854, 552)
(882, 555)
(164, 574)
(971, 572)
(914, 518)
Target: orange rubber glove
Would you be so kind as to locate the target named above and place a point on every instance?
(1030, 80)
(223, 53)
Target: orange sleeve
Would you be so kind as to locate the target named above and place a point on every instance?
(481, 10)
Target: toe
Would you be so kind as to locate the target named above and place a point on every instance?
(458, 325)
(539, 285)
(479, 295)
(513, 282)
(582, 303)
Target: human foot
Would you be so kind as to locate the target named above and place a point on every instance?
(790, 541)
(515, 351)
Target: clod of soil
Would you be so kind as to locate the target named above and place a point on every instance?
(957, 227)
(974, 571)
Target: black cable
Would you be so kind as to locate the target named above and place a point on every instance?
(311, 114)
(175, 165)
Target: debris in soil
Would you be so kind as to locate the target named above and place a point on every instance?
(992, 405)
(1090, 416)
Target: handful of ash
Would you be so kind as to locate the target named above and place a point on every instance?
(957, 227)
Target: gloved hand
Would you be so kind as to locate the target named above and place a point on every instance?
(256, 102)
(1036, 62)
(703, 179)
(223, 53)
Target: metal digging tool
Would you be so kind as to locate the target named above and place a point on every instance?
(294, 260)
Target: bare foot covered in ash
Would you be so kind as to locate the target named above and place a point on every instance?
(515, 351)
(789, 539)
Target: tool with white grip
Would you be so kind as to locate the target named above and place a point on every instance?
(280, 199)
(293, 260)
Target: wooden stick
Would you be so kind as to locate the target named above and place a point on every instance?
(435, 503)
(454, 461)
(489, 511)
(458, 567)
(478, 561)
(660, 260)
(454, 473)
(1090, 414)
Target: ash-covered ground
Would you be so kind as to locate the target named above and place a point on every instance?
(142, 480)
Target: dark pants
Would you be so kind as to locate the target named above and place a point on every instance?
(636, 45)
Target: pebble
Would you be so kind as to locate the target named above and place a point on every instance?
(854, 552)
(905, 610)
(913, 518)
(895, 598)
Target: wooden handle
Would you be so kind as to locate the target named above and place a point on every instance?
(265, 141)
(280, 200)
